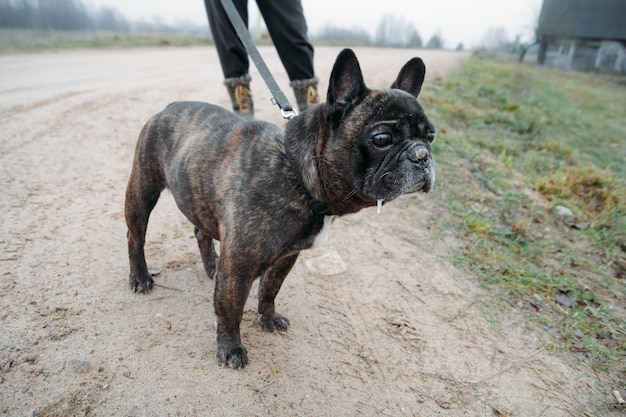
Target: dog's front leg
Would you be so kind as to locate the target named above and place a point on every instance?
(269, 286)
(232, 286)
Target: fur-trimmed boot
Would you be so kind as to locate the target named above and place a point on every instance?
(240, 95)
(305, 92)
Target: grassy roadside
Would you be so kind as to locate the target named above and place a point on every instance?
(533, 177)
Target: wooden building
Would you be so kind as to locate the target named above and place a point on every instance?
(583, 35)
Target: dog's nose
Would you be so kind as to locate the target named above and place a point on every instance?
(421, 154)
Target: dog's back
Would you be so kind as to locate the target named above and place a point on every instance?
(177, 146)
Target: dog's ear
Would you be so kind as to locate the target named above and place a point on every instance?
(346, 86)
(411, 77)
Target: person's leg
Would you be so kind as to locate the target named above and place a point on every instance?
(232, 55)
(287, 26)
(231, 52)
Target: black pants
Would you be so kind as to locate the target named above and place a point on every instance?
(287, 26)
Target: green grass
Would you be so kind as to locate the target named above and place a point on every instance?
(514, 142)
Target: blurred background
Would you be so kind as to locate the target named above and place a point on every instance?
(449, 24)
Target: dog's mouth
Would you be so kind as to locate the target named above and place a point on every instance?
(424, 187)
(424, 183)
(415, 189)
(389, 186)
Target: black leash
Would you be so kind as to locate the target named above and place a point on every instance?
(242, 31)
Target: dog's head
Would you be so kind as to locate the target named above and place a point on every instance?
(362, 146)
(385, 132)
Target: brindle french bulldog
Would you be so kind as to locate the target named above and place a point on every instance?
(266, 194)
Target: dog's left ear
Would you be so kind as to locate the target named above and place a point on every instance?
(411, 77)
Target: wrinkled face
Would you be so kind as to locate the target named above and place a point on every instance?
(394, 137)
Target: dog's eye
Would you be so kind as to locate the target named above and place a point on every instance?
(430, 136)
(382, 139)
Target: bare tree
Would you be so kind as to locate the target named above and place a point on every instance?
(529, 39)
(397, 32)
(495, 39)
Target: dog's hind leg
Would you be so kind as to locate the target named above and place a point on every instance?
(142, 194)
(207, 250)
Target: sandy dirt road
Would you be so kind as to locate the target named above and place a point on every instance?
(381, 323)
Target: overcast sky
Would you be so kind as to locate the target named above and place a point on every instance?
(457, 21)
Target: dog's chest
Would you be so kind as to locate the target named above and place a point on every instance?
(322, 237)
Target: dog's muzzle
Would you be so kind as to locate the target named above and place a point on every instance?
(421, 157)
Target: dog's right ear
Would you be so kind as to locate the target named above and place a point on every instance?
(346, 86)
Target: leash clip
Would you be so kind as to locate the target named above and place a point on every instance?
(287, 114)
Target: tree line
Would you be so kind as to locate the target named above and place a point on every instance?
(73, 15)
(391, 31)
(59, 15)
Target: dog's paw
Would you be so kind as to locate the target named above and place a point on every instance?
(272, 323)
(233, 356)
(142, 284)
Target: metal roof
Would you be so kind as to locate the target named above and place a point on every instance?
(597, 19)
